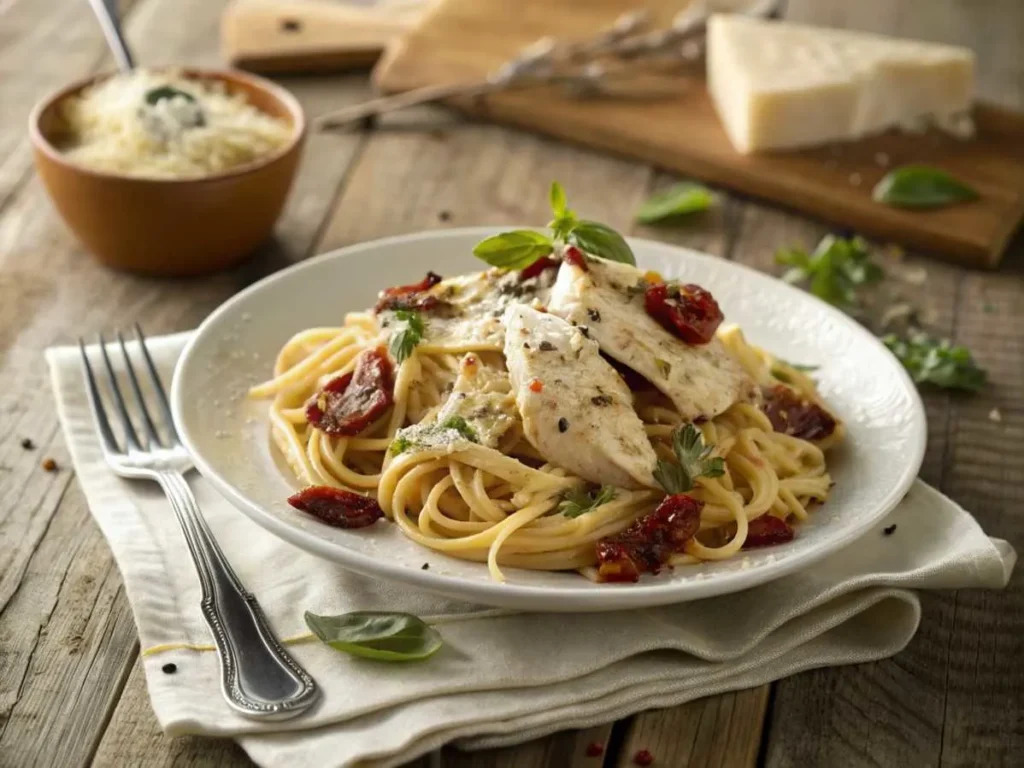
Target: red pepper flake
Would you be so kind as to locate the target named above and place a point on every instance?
(643, 757)
(594, 749)
(50, 465)
(687, 311)
(539, 266)
(536, 385)
(349, 403)
(410, 297)
(792, 414)
(573, 255)
(337, 507)
(647, 544)
(766, 530)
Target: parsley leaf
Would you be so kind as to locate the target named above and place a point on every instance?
(578, 501)
(461, 426)
(407, 334)
(834, 272)
(695, 460)
(930, 361)
(400, 444)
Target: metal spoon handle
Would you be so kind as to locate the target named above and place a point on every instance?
(106, 14)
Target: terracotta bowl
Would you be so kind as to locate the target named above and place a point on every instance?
(172, 226)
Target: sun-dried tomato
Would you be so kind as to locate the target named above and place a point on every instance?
(594, 749)
(541, 265)
(337, 507)
(766, 530)
(643, 758)
(646, 545)
(573, 255)
(348, 404)
(686, 311)
(792, 414)
(410, 297)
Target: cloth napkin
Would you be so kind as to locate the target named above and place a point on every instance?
(502, 677)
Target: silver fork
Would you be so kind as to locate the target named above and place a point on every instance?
(258, 677)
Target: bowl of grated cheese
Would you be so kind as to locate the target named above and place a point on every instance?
(169, 172)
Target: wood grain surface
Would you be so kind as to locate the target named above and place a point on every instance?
(71, 690)
(465, 40)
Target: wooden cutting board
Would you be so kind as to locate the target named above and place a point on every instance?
(289, 36)
(461, 40)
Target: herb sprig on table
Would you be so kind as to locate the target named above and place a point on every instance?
(674, 203)
(519, 248)
(934, 361)
(922, 187)
(837, 271)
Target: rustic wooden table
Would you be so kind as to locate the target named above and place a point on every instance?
(71, 690)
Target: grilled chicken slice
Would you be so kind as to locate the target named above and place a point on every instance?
(701, 380)
(576, 409)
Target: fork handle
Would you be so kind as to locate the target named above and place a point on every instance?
(258, 677)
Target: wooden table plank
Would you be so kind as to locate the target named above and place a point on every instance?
(67, 635)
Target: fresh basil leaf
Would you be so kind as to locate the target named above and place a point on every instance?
(674, 202)
(377, 635)
(514, 250)
(557, 198)
(602, 241)
(919, 186)
(154, 95)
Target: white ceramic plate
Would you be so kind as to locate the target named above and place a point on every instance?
(228, 435)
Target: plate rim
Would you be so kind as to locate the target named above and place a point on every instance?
(522, 596)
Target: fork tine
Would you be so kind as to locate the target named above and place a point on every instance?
(154, 436)
(161, 394)
(129, 431)
(96, 402)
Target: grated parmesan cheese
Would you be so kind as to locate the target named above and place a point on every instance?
(112, 128)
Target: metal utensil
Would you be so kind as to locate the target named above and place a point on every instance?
(110, 23)
(258, 677)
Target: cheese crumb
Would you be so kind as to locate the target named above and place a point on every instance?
(995, 415)
(855, 179)
(882, 159)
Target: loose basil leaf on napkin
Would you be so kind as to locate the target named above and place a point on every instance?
(602, 241)
(514, 250)
(377, 635)
(674, 202)
(919, 186)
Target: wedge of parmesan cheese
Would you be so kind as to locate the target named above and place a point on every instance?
(778, 85)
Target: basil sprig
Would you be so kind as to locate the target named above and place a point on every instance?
(672, 203)
(920, 186)
(377, 635)
(834, 272)
(520, 248)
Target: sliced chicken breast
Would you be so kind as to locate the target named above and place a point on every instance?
(576, 409)
(701, 380)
